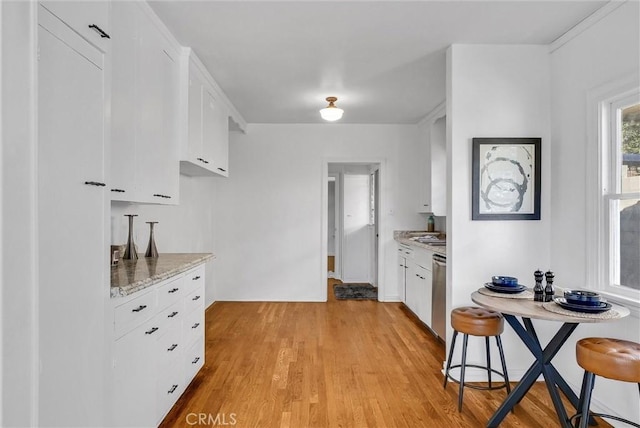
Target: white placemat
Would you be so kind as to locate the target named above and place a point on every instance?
(526, 294)
(557, 309)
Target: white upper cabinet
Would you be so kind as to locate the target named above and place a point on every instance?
(205, 122)
(144, 154)
(433, 180)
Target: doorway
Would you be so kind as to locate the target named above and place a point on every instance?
(352, 222)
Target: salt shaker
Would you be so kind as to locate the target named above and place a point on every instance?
(548, 289)
(538, 290)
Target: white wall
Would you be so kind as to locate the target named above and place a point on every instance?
(185, 228)
(495, 91)
(604, 53)
(269, 233)
(18, 371)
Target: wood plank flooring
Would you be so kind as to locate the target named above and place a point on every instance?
(335, 364)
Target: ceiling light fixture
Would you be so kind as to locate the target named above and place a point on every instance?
(331, 112)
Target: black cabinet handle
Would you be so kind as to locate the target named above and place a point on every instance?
(173, 290)
(153, 330)
(222, 169)
(196, 298)
(172, 347)
(118, 190)
(139, 308)
(195, 325)
(99, 31)
(158, 195)
(172, 314)
(195, 360)
(94, 183)
(173, 389)
(195, 278)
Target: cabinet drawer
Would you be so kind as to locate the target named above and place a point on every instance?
(193, 360)
(405, 250)
(134, 312)
(169, 387)
(170, 345)
(193, 327)
(194, 279)
(171, 292)
(194, 300)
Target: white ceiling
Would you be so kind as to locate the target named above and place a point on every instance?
(384, 60)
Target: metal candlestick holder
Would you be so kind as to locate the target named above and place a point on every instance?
(130, 249)
(152, 251)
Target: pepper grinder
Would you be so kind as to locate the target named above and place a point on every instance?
(538, 290)
(548, 289)
(130, 249)
(152, 251)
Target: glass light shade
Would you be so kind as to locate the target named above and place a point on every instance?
(331, 113)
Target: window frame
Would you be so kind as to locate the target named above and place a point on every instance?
(602, 174)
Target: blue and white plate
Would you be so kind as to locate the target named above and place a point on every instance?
(505, 289)
(602, 307)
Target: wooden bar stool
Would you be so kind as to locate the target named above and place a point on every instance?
(475, 321)
(611, 358)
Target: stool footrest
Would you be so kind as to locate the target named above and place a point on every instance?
(480, 387)
(604, 416)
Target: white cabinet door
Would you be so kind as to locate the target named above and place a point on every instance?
(156, 143)
(433, 166)
(135, 376)
(216, 133)
(89, 18)
(144, 155)
(72, 210)
(124, 110)
(402, 277)
(205, 123)
(424, 294)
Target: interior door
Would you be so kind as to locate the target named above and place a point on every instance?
(357, 230)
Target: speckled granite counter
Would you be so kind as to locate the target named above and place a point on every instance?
(135, 275)
(404, 237)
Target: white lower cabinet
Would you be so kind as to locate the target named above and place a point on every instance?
(416, 262)
(158, 349)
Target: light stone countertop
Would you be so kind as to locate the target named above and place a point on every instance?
(404, 237)
(130, 276)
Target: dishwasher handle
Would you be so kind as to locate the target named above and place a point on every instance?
(439, 260)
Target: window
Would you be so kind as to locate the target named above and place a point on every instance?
(620, 196)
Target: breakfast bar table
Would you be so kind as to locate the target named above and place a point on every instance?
(527, 309)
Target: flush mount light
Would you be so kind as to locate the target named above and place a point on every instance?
(331, 112)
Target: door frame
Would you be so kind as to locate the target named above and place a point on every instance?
(381, 268)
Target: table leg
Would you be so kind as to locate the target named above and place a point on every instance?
(542, 365)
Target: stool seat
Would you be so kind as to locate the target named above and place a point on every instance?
(477, 321)
(611, 358)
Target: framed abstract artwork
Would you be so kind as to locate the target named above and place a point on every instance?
(506, 179)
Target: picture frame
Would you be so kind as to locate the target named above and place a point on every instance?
(506, 179)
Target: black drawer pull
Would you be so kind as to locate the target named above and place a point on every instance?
(173, 389)
(172, 347)
(195, 325)
(196, 298)
(139, 308)
(222, 169)
(173, 290)
(99, 31)
(195, 360)
(118, 190)
(172, 314)
(195, 278)
(94, 183)
(153, 330)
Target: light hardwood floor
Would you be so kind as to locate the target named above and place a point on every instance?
(333, 364)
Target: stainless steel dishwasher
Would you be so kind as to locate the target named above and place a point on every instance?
(439, 295)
